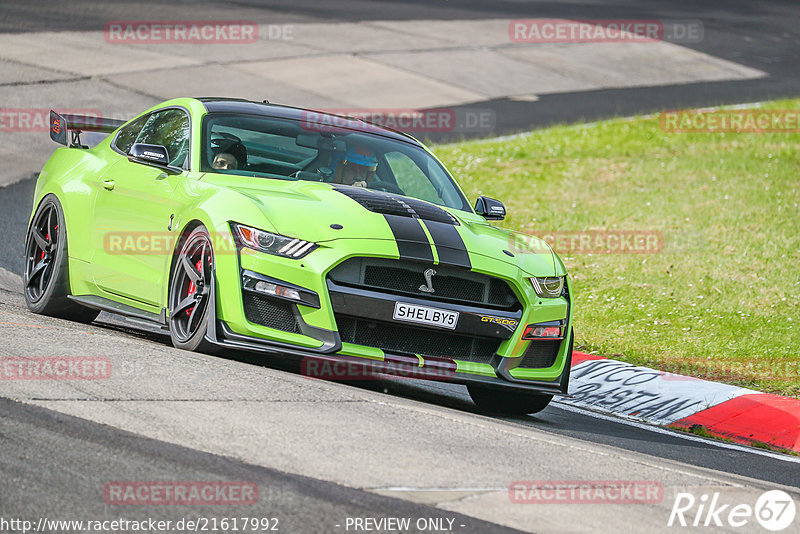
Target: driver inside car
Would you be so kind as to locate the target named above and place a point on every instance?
(357, 167)
(229, 153)
(224, 161)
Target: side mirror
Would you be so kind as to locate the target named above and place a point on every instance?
(490, 209)
(153, 155)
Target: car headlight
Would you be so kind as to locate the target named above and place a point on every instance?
(279, 245)
(548, 287)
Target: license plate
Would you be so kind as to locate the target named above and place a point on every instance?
(424, 315)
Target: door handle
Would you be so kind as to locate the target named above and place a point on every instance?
(108, 184)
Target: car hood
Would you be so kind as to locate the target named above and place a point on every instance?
(312, 211)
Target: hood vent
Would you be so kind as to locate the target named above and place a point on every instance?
(390, 204)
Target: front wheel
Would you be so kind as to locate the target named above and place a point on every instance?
(190, 292)
(507, 402)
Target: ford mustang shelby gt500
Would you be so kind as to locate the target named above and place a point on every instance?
(266, 228)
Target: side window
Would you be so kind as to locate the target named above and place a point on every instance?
(410, 178)
(127, 135)
(169, 128)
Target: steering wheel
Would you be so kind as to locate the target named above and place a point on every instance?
(385, 186)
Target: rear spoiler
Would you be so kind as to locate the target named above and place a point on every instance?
(59, 124)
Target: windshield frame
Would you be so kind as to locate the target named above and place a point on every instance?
(369, 131)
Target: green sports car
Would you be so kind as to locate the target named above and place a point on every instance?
(289, 232)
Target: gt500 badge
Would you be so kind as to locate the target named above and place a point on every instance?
(510, 324)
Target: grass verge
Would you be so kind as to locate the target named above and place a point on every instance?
(720, 300)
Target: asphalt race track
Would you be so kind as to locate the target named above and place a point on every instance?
(761, 35)
(323, 453)
(319, 451)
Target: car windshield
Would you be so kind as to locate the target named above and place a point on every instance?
(266, 147)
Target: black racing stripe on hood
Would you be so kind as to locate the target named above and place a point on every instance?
(449, 246)
(391, 204)
(412, 242)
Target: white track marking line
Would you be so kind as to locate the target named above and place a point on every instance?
(422, 489)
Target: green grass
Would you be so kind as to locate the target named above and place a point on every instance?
(768, 447)
(722, 299)
(700, 430)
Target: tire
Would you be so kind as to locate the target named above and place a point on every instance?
(503, 402)
(46, 277)
(190, 292)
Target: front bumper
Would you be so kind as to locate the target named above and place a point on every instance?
(392, 365)
(317, 335)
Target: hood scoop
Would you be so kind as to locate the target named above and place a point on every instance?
(390, 204)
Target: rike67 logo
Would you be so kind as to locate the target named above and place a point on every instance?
(774, 510)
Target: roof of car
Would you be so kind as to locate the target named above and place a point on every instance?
(265, 108)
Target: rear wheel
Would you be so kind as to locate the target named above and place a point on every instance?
(190, 292)
(46, 278)
(507, 402)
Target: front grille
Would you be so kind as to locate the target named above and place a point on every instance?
(405, 280)
(450, 284)
(540, 354)
(270, 312)
(409, 339)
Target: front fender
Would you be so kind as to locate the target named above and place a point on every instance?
(213, 207)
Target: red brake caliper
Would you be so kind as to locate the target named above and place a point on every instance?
(192, 288)
(48, 238)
